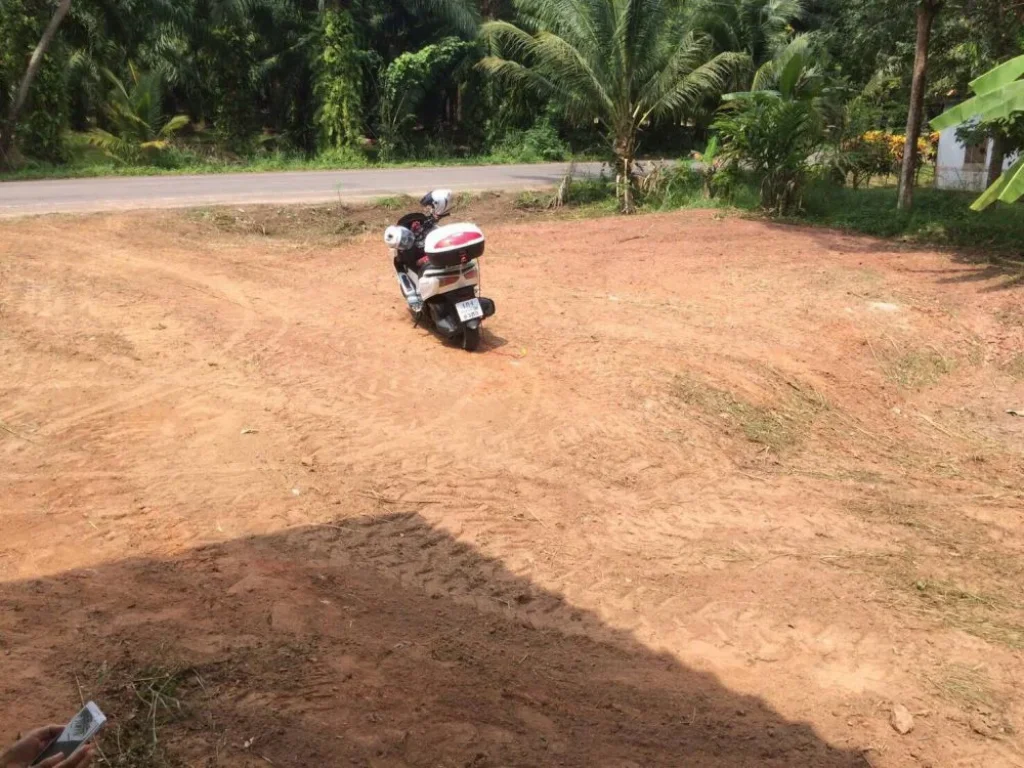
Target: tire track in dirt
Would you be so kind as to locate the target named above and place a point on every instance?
(142, 396)
(429, 559)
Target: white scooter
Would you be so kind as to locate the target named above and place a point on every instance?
(438, 270)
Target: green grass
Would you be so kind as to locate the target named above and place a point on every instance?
(672, 188)
(939, 217)
(103, 167)
(396, 202)
(199, 157)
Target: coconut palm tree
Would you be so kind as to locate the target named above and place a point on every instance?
(759, 28)
(620, 62)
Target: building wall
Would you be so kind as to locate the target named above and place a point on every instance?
(952, 170)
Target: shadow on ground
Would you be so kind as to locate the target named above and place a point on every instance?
(992, 273)
(375, 642)
(990, 277)
(994, 276)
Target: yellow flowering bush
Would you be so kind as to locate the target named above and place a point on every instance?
(879, 153)
(893, 144)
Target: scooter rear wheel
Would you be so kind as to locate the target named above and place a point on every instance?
(471, 339)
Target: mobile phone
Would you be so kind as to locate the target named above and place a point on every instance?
(83, 726)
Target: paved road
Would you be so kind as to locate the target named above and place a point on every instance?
(78, 195)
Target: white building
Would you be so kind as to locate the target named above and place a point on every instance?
(963, 167)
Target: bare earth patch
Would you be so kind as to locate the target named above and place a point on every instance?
(715, 492)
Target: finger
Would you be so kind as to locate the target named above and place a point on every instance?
(51, 762)
(47, 733)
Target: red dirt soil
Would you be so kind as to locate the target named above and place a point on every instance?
(714, 493)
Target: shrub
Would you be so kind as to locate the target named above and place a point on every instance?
(540, 142)
(774, 138)
(405, 83)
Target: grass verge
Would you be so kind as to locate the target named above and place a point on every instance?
(86, 161)
(255, 165)
(939, 217)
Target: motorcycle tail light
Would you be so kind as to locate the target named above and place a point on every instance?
(470, 275)
(448, 280)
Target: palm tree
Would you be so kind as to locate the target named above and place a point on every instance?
(794, 71)
(776, 127)
(620, 62)
(758, 28)
(136, 118)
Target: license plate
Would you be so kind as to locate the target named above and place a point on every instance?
(469, 310)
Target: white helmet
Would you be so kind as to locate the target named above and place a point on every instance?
(399, 238)
(440, 200)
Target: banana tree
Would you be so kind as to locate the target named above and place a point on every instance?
(999, 94)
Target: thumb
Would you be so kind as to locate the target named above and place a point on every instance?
(51, 762)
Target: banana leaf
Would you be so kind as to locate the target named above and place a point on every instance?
(1009, 188)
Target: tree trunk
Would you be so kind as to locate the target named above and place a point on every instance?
(926, 10)
(627, 201)
(624, 154)
(995, 165)
(7, 137)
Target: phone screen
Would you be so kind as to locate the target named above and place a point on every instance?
(82, 727)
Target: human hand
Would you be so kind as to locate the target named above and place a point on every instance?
(21, 754)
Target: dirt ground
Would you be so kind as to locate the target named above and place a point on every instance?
(715, 492)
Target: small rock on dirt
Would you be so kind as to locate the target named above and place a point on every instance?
(980, 727)
(1017, 411)
(308, 461)
(884, 306)
(901, 719)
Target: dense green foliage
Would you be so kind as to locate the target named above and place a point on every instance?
(942, 218)
(39, 131)
(405, 84)
(774, 138)
(203, 84)
(339, 81)
(775, 129)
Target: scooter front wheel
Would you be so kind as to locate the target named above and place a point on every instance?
(470, 338)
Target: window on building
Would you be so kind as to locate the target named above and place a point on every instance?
(976, 154)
